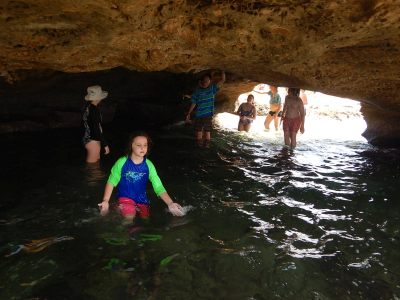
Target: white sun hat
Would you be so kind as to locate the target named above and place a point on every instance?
(95, 93)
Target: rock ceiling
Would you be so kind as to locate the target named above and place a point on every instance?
(345, 48)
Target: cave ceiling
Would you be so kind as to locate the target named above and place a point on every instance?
(344, 48)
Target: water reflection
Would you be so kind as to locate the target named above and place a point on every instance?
(319, 222)
(94, 174)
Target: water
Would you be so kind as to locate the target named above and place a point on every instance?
(320, 222)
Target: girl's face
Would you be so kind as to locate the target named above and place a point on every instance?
(273, 89)
(250, 99)
(139, 146)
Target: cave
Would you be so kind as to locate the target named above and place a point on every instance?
(259, 220)
(348, 51)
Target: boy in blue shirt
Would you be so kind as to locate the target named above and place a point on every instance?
(204, 97)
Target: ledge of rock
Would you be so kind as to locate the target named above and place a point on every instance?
(349, 49)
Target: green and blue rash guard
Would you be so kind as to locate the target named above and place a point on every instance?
(275, 99)
(132, 179)
(204, 99)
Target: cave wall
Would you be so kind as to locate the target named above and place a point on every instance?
(49, 99)
(344, 48)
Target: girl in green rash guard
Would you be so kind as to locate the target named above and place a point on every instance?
(131, 173)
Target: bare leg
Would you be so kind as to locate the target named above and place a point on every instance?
(207, 139)
(276, 121)
(287, 137)
(128, 220)
(240, 126)
(199, 138)
(293, 141)
(207, 135)
(92, 151)
(268, 121)
(199, 135)
(247, 127)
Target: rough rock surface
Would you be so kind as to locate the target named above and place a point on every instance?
(344, 48)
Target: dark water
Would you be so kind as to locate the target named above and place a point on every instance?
(321, 222)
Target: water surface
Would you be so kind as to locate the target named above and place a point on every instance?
(319, 222)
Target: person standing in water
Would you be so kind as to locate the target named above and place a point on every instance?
(304, 98)
(131, 174)
(93, 137)
(204, 97)
(275, 104)
(247, 112)
(293, 117)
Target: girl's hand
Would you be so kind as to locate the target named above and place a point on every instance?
(302, 129)
(106, 150)
(103, 208)
(175, 209)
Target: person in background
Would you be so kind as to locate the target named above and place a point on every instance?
(303, 98)
(203, 99)
(131, 174)
(275, 103)
(247, 113)
(293, 117)
(93, 137)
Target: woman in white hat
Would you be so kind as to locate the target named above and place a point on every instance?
(93, 138)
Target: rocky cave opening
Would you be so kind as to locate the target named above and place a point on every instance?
(45, 99)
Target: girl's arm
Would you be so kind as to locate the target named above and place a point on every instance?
(239, 109)
(106, 198)
(160, 191)
(173, 207)
(112, 181)
(284, 110)
(302, 116)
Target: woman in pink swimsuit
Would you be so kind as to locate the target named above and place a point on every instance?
(293, 117)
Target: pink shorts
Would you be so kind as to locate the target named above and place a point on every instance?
(291, 125)
(129, 207)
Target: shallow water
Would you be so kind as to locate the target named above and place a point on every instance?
(319, 222)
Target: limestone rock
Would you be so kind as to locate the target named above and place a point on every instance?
(349, 49)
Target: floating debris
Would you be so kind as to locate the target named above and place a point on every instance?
(114, 264)
(38, 245)
(116, 241)
(150, 237)
(168, 259)
(34, 282)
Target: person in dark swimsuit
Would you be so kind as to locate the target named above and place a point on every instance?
(93, 137)
(247, 112)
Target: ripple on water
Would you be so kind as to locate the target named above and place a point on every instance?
(319, 222)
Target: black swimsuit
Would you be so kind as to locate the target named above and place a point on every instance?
(92, 125)
(245, 113)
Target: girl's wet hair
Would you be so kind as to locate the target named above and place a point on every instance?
(294, 91)
(134, 135)
(250, 95)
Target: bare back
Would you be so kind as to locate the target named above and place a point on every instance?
(293, 107)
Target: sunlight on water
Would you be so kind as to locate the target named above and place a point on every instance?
(262, 222)
(328, 117)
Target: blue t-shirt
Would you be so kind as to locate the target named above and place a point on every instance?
(275, 99)
(204, 99)
(132, 179)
